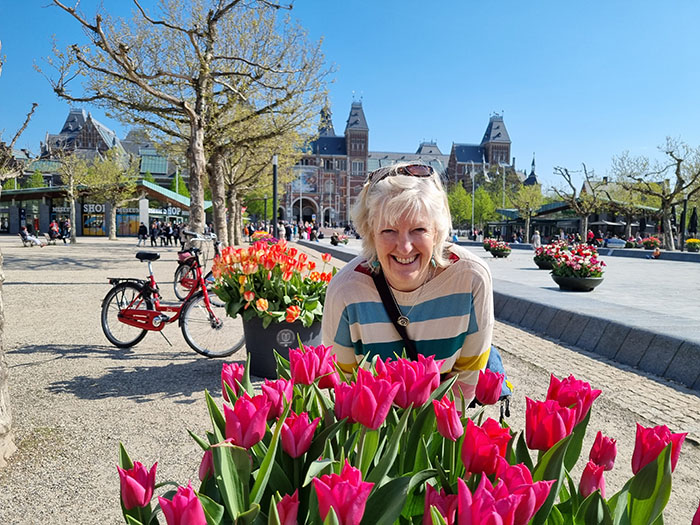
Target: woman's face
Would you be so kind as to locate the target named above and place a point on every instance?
(404, 250)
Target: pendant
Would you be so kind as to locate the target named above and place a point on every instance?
(403, 320)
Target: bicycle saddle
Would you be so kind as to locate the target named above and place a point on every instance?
(147, 256)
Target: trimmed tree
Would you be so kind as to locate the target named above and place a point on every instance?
(581, 202)
(527, 200)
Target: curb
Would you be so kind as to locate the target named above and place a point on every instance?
(659, 352)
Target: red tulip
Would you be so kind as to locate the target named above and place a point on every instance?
(651, 441)
(343, 401)
(288, 508)
(518, 480)
(372, 399)
(449, 424)
(488, 389)
(546, 423)
(137, 485)
(483, 445)
(483, 507)
(184, 509)
(346, 493)
(276, 393)
(571, 391)
(591, 480)
(416, 379)
(303, 366)
(696, 518)
(446, 505)
(230, 373)
(603, 451)
(246, 422)
(326, 257)
(206, 466)
(293, 312)
(297, 433)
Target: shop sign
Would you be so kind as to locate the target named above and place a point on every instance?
(128, 210)
(93, 208)
(61, 209)
(172, 210)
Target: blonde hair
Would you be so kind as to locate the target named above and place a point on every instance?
(385, 202)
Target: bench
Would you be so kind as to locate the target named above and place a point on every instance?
(49, 240)
(25, 242)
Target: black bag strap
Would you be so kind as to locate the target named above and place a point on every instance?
(394, 313)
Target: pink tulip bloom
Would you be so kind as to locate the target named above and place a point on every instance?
(297, 433)
(483, 446)
(446, 505)
(288, 508)
(571, 391)
(184, 509)
(696, 518)
(488, 389)
(246, 422)
(416, 379)
(591, 480)
(651, 441)
(346, 493)
(326, 368)
(518, 480)
(276, 393)
(546, 423)
(137, 485)
(344, 394)
(483, 507)
(449, 424)
(603, 451)
(206, 466)
(230, 373)
(372, 399)
(309, 364)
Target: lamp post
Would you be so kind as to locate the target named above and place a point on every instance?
(471, 173)
(275, 230)
(684, 214)
(265, 212)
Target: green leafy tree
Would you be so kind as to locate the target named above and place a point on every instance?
(527, 200)
(484, 208)
(74, 174)
(35, 180)
(150, 178)
(178, 185)
(460, 205)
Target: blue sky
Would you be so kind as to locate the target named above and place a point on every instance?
(576, 81)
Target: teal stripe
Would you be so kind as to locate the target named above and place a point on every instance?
(440, 348)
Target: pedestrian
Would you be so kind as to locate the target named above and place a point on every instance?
(67, 230)
(143, 234)
(536, 240)
(154, 233)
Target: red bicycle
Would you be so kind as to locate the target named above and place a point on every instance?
(133, 307)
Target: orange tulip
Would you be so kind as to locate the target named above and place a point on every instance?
(326, 257)
(262, 304)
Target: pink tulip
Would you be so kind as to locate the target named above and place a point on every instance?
(230, 373)
(297, 433)
(344, 394)
(309, 364)
(372, 399)
(416, 379)
(449, 424)
(246, 422)
(546, 423)
(184, 509)
(483, 507)
(276, 393)
(651, 441)
(288, 508)
(346, 493)
(696, 518)
(137, 485)
(206, 466)
(326, 369)
(591, 480)
(488, 389)
(483, 445)
(603, 451)
(571, 391)
(446, 505)
(518, 480)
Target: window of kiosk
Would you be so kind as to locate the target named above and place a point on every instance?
(29, 215)
(4, 221)
(93, 224)
(127, 224)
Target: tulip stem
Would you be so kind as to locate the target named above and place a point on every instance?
(297, 482)
(451, 446)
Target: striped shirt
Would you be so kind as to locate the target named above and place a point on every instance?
(451, 317)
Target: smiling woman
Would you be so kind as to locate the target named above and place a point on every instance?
(410, 289)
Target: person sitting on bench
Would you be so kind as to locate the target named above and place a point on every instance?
(27, 237)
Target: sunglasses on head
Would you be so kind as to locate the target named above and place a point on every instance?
(410, 170)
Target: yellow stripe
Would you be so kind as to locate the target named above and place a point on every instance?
(348, 368)
(476, 362)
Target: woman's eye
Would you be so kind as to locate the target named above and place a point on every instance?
(420, 230)
(387, 231)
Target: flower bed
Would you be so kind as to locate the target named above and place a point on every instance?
(272, 281)
(579, 260)
(650, 243)
(488, 243)
(387, 445)
(546, 255)
(500, 249)
(693, 245)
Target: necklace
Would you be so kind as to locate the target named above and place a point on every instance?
(403, 320)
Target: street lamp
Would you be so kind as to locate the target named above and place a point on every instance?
(684, 214)
(275, 232)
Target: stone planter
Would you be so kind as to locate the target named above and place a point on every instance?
(692, 247)
(260, 342)
(577, 284)
(487, 247)
(544, 265)
(500, 253)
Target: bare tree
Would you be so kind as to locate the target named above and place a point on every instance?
(669, 181)
(583, 203)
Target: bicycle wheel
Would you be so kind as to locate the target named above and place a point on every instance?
(185, 278)
(209, 281)
(118, 298)
(209, 331)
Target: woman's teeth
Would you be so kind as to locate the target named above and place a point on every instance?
(401, 260)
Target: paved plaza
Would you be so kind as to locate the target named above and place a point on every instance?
(75, 397)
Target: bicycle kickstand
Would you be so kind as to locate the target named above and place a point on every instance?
(164, 337)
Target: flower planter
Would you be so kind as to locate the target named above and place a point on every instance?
(544, 265)
(577, 284)
(500, 253)
(260, 342)
(693, 247)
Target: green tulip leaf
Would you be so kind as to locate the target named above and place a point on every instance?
(273, 517)
(385, 503)
(132, 521)
(266, 466)
(378, 473)
(331, 518)
(279, 479)
(246, 382)
(368, 448)
(217, 418)
(249, 516)
(282, 366)
(232, 483)
(213, 512)
(593, 511)
(316, 469)
(550, 466)
(200, 441)
(650, 490)
(124, 459)
(436, 516)
(556, 517)
(573, 451)
(320, 440)
(522, 453)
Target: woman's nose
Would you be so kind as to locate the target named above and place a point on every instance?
(404, 243)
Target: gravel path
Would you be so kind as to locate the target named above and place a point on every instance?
(75, 397)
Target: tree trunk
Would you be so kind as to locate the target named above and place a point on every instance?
(527, 229)
(215, 168)
(112, 218)
(668, 232)
(7, 446)
(198, 163)
(584, 227)
(628, 226)
(71, 198)
(234, 217)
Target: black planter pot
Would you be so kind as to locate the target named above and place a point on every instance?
(544, 265)
(260, 342)
(577, 284)
(500, 253)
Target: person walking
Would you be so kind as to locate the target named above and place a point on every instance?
(143, 234)
(536, 240)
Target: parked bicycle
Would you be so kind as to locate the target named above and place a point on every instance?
(185, 274)
(133, 307)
